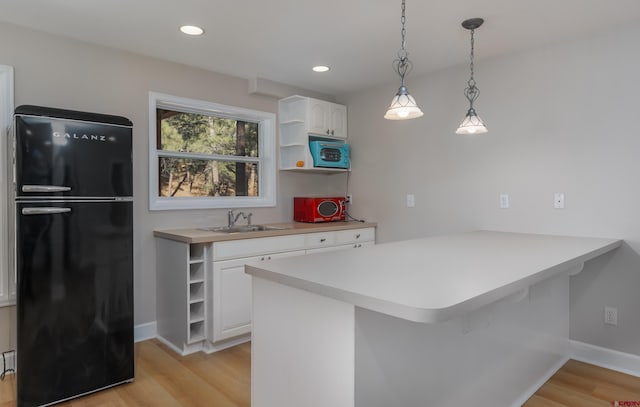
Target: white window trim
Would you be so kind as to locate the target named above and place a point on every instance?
(267, 147)
(7, 272)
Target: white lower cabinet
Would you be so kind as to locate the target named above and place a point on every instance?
(203, 294)
(230, 287)
(232, 295)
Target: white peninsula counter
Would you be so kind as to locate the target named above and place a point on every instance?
(472, 319)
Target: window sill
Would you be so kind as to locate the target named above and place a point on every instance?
(161, 204)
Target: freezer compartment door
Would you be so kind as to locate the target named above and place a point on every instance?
(70, 158)
(75, 299)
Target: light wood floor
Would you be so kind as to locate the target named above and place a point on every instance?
(222, 379)
(165, 379)
(579, 384)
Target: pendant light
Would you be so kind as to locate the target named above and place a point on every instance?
(403, 106)
(472, 123)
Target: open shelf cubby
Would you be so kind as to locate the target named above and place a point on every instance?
(196, 311)
(196, 253)
(196, 291)
(196, 272)
(196, 331)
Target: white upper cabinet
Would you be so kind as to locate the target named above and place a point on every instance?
(301, 118)
(326, 119)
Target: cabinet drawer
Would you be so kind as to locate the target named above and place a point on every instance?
(340, 247)
(321, 239)
(355, 236)
(255, 247)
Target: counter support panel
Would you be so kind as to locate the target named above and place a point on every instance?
(302, 351)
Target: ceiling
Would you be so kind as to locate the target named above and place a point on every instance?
(281, 40)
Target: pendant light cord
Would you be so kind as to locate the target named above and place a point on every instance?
(402, 65)
(472, 92)
(403, 32)
(472, 81)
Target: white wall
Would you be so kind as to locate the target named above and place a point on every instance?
(561, 119)
(57, 72)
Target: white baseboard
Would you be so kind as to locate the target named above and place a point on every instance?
(210, 347)
(607, 358)
(594, 355)
(204, 346)
(186, 349)
(543, 379)
(143, 332)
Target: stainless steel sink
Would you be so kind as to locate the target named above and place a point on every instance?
(242, 228)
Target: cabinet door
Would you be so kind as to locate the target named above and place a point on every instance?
(318, 116)
(232, 295)
(231, 299)
(338, 120)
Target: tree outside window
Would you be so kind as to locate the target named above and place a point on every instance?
(206, 155)
(223, 140)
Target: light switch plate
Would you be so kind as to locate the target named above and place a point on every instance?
(411, 201)
(610, 316)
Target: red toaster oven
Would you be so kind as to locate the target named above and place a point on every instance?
(313, 210)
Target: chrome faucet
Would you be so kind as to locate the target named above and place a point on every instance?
(234, 218)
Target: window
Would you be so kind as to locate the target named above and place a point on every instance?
(7, 276)
(207, 155)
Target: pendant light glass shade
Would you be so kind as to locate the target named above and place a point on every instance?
(472, 123)
(403, 105)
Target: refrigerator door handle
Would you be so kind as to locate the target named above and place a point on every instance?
(44, 211)
(44, 188)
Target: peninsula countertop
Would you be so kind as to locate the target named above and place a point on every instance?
(437, 278)
(195, 235)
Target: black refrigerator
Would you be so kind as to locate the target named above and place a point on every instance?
(73, 253)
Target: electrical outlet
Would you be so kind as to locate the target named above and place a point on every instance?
(558, 200)
(348, 199)
(504, 201)
(610, 316)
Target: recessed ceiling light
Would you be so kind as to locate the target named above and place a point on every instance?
(320, 68)
(191, 30)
